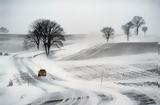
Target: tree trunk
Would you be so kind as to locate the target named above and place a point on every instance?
(45, 47)
(48, 49)
(38, 43)
(108, 38)
(137, 30)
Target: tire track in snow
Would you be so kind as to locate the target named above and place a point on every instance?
(27, 66)
(22, 73)
(30, 62)
(25, 76)
(66, 101)
(140, 98)
(73, 101)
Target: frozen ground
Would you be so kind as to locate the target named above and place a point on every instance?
(93, 78)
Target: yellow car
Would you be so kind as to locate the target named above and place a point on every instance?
(42, 72)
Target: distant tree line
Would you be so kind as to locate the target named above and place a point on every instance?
(136, 23)
(46, 33)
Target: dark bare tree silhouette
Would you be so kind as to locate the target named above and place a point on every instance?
(49, 32)
(138, 22)
(52, 35)
(127, 27)
(35, 33)
(107, 31)
(145, 29)
(3, 30)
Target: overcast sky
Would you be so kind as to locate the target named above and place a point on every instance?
(79, 16)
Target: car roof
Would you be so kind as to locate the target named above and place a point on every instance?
(42, 70)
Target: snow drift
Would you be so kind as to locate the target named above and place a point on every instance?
(115, 49)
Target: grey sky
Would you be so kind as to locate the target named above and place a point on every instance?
(79, 16)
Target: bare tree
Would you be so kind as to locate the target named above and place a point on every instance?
(108, 31)
(127, 27)
(52, 35)
(35, 33)
(3, 30)
(138, 22)
(48, 32)
(144, 29)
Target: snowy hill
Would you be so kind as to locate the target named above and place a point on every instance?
(115, 49)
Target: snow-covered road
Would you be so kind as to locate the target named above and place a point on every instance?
(69, 96)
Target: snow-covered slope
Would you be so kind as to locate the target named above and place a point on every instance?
(135, 38)
(115, 49)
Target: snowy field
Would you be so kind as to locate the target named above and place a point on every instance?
(83, 73)
(11, 43)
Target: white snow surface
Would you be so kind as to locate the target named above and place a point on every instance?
(115, 80)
